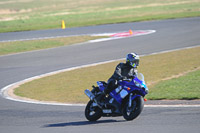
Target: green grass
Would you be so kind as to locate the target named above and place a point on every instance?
(185, 88)
(23, 46)
(69, 86)
(47, 14)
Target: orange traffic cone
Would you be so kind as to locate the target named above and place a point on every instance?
(131, 32)
(63, 24)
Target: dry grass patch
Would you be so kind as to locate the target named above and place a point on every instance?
(68, 87)
(34, 15)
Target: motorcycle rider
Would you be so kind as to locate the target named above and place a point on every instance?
(123, 71)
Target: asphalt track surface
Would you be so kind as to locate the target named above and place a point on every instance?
(16, 117)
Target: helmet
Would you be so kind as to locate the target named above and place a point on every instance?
(132, 59)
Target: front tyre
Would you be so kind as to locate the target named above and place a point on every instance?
(130, 113)
(92, 113)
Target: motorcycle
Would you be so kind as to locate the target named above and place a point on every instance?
(126, 100)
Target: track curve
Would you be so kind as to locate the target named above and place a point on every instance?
(23, 117)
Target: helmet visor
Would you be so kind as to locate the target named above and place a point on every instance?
(134, 63)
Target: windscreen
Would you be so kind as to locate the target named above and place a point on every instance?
(140, 76)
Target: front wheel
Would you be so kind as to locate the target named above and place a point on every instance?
(92, 113)
(130, 113)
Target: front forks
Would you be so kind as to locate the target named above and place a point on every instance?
(130, 100)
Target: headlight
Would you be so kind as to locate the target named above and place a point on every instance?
(142, 86)
(138, 84)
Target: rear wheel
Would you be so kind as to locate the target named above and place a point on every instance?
(92, 113)
(130, 113)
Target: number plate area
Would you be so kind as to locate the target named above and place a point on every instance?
(107, 111)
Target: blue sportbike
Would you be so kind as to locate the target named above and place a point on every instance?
(126, 100)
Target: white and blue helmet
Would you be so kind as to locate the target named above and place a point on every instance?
(133, 59)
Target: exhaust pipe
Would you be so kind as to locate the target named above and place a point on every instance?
(92, 97)
(89, 94)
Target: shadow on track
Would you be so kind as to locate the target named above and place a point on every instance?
(81, 123)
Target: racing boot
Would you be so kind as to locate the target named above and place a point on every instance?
(103, 94)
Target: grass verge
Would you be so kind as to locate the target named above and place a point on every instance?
(47, 14)
(69, 86)
(24, 46)
(183, 88)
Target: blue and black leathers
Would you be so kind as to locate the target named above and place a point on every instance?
(122, 71)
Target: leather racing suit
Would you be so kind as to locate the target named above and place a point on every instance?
(122, 71)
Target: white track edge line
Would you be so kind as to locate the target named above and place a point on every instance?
(114, 38)
(51, 37)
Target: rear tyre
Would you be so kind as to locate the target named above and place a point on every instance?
(130, 113)
(92, 113)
